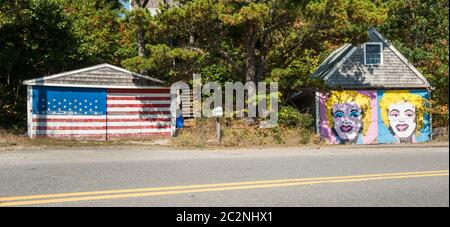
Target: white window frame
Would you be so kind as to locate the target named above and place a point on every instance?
(381, 52)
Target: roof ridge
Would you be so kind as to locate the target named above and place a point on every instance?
(337, 58)
(333, 56)
(90, 68)
(400, 55)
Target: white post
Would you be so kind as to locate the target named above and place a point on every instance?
(173, 112)
(30, 111)
(317, 113)
(218, 130)
(197, 95)
(430, 114)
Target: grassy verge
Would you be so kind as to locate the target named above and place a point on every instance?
(239, 134)
(11, 141)
(235, 134)
(441, 138)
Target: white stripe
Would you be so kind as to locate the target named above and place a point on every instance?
(138, 123)
(111, 109)
(119, 95)
(71, 124)
(45, 116)
(68, 132)
(138, 102)
(137, 116)
(130, 131)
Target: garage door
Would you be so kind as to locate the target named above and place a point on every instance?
(69, 112)
(138, 113)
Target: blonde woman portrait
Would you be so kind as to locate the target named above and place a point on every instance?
(403, 114)
(349, 115)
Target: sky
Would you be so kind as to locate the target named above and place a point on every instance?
(125, 3)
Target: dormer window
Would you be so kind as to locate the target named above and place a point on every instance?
(373, 54)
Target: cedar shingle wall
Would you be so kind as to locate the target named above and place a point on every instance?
(392, 73)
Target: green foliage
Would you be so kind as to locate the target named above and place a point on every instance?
(216, 72)
(237, 133)
(256, 40)
(37, 39)
(419, 29)
(12, 116)
(289, 116)
(345, 20)
(161, 61)
(224, 40)
(42, 37)
(97, 29)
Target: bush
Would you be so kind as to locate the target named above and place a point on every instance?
(290, 117)
(13, 116)
(439, 115)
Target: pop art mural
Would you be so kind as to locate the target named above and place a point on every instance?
(403, 117)
(367, 117)
(348, 117)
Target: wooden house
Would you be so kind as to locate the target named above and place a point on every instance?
(376, 96)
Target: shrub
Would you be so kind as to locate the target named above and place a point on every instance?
(289, 116)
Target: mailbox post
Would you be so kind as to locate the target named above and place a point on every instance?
(218, 113)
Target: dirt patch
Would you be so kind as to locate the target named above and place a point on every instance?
(10, 141)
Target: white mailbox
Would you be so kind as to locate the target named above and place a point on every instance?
(218, 112)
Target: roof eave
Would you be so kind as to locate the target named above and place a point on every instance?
(35, 81)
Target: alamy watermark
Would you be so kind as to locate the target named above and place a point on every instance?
(256, 100)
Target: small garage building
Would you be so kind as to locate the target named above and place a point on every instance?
(376, 96)
(101, 102)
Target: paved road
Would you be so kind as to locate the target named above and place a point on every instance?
(136, 176)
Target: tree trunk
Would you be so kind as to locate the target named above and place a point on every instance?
(141, 42)
(141, 34)
(250, 65)
(141, 46)
(261, 68)
(18, 91)
(250, 55)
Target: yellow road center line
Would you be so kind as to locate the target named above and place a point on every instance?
(205, 185)
(214, 189)
(15, 198)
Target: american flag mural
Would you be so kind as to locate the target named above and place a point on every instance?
(99, 113)
(138, 112)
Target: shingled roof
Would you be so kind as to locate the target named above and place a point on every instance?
(345, 68)
(103, 75)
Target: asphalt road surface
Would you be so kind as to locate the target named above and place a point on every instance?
(272, 177)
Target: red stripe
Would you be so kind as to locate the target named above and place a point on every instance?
(137, 105)
(69, 127)
(70, 136)
(140, 120)
(137, 98)
(67, 120)
(140, 91)
(138, 112)
(103, 136)
(139, 127)
(139, 134)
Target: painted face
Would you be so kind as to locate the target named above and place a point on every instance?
(402, 119)
(347, 120)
